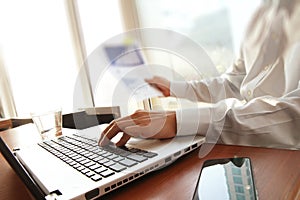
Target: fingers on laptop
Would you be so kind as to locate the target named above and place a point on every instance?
(119, 125)
(125, 137)
(158, 128)
(141, 124)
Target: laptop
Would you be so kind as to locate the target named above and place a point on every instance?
(73, 166)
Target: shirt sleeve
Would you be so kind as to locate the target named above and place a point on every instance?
(213, 89)
(217, 91)
(265, 121)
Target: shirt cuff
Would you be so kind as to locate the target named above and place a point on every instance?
(178, 88)
(193, 121)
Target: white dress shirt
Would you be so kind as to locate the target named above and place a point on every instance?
(257, 101)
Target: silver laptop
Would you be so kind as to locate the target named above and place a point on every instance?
(73, 166)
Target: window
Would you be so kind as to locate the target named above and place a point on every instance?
(239, 189)
(38, 54)
(237, 180)
(216, 25)
(236, 171)
(100, 21)
(240, 197)
(38, 50)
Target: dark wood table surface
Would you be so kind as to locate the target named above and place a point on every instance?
(276, 172)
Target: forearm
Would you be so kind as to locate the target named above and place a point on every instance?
(209, 90)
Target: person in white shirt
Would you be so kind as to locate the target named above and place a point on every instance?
(266, 77)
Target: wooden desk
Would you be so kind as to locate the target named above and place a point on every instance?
(276, 172)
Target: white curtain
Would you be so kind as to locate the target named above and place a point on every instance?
(7, 105)
(130, 16)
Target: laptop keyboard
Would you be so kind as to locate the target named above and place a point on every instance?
(92, 160)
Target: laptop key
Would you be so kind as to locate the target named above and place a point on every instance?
(137, 158)
(79, 159)
(96, 177)
(104, 160)
(100, 169)
(72, 163)
(85, 170)
(80, 168)
(68, 160)
(107, 173)
(119, 158)
(97, 158)
(112, 157)
(117, 167)
(81, 151)
(95, 166)
(88, 164)
(150, 154)
(93, 156)
(106, 154)
(84, 161)
(127, 162)
(90, 174)
(76, 166)
(110, 163)
(87, 154)
(76, 156)
(134, 150)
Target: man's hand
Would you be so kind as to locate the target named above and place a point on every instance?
(142, 124)
(161, 84)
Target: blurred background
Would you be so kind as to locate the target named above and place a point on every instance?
(44, 43)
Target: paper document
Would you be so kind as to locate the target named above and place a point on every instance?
(133, 79)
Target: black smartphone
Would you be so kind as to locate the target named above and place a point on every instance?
(228, 178)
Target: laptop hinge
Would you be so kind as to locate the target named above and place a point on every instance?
(53, 195)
